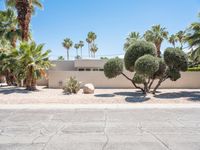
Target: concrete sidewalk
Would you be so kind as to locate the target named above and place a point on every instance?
(106, 128)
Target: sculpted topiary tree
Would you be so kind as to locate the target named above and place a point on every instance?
(141, 59)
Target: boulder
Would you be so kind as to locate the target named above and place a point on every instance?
(88, 88)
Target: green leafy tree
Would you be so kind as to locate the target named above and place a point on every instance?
(157, 35)
(141, 59)
(25, 9)
(67, 43)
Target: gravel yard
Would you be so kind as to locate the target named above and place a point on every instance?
(15, 95)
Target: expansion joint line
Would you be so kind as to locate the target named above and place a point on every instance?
(104, 131)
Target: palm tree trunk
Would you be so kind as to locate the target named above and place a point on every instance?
(81, 53)
(24, 11)
(67, 54)
(33, 84)
(89, 50)
(158, 46)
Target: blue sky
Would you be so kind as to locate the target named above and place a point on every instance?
(111, 20)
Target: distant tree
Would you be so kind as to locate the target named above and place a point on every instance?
(132, 37)
(81, 44)
(94, 49)
(104, 58)
(67, 43)
(76, 46)
(61, 58)
(91, 37)
(156, 35)
(173, 39)
(181, 38)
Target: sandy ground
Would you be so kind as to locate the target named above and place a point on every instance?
(14, 95)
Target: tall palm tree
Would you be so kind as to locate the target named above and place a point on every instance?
(156, 35)
(25, 9)
(173, 39)
(35, 61)
(91, 37)
(132, 37)
(67, 43)
(81, 44)
(76, 46)
(94, 49)
(9, 27)
(89, 41)
(181, 38)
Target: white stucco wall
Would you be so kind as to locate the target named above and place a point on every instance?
(188, 80)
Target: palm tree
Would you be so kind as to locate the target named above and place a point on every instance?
(76, 46)
(25, 9)
(173, 39)
(9, 27)
(156, 35)
(67, 43)
(91, 37)
(181, 38)
(132, 37)
(94, 49)
(34, 61)
(8, 64)
(89, 41)
(81, 44)
(193, 38)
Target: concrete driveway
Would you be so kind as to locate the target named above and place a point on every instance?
(100, 129)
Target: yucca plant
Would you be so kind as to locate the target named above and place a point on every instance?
(72, 86)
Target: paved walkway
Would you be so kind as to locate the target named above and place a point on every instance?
(100, 129)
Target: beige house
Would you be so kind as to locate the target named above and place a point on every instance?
(91, 71)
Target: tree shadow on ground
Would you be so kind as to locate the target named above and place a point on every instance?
(133, 97)
(10, 90)
(190, 95)
(104, 95)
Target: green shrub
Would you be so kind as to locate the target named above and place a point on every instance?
(147, 65)
(194, 69)
(162, 69)
(176, 58)
(113, 68)
(72, 86)
(135, 51)
(173, 74)
(138, 78)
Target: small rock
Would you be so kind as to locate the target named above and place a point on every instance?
(88, 88)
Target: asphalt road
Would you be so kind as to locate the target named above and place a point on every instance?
(100, 129)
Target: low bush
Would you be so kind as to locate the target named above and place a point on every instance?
(194, 69)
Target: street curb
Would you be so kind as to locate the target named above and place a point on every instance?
(99, 106)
